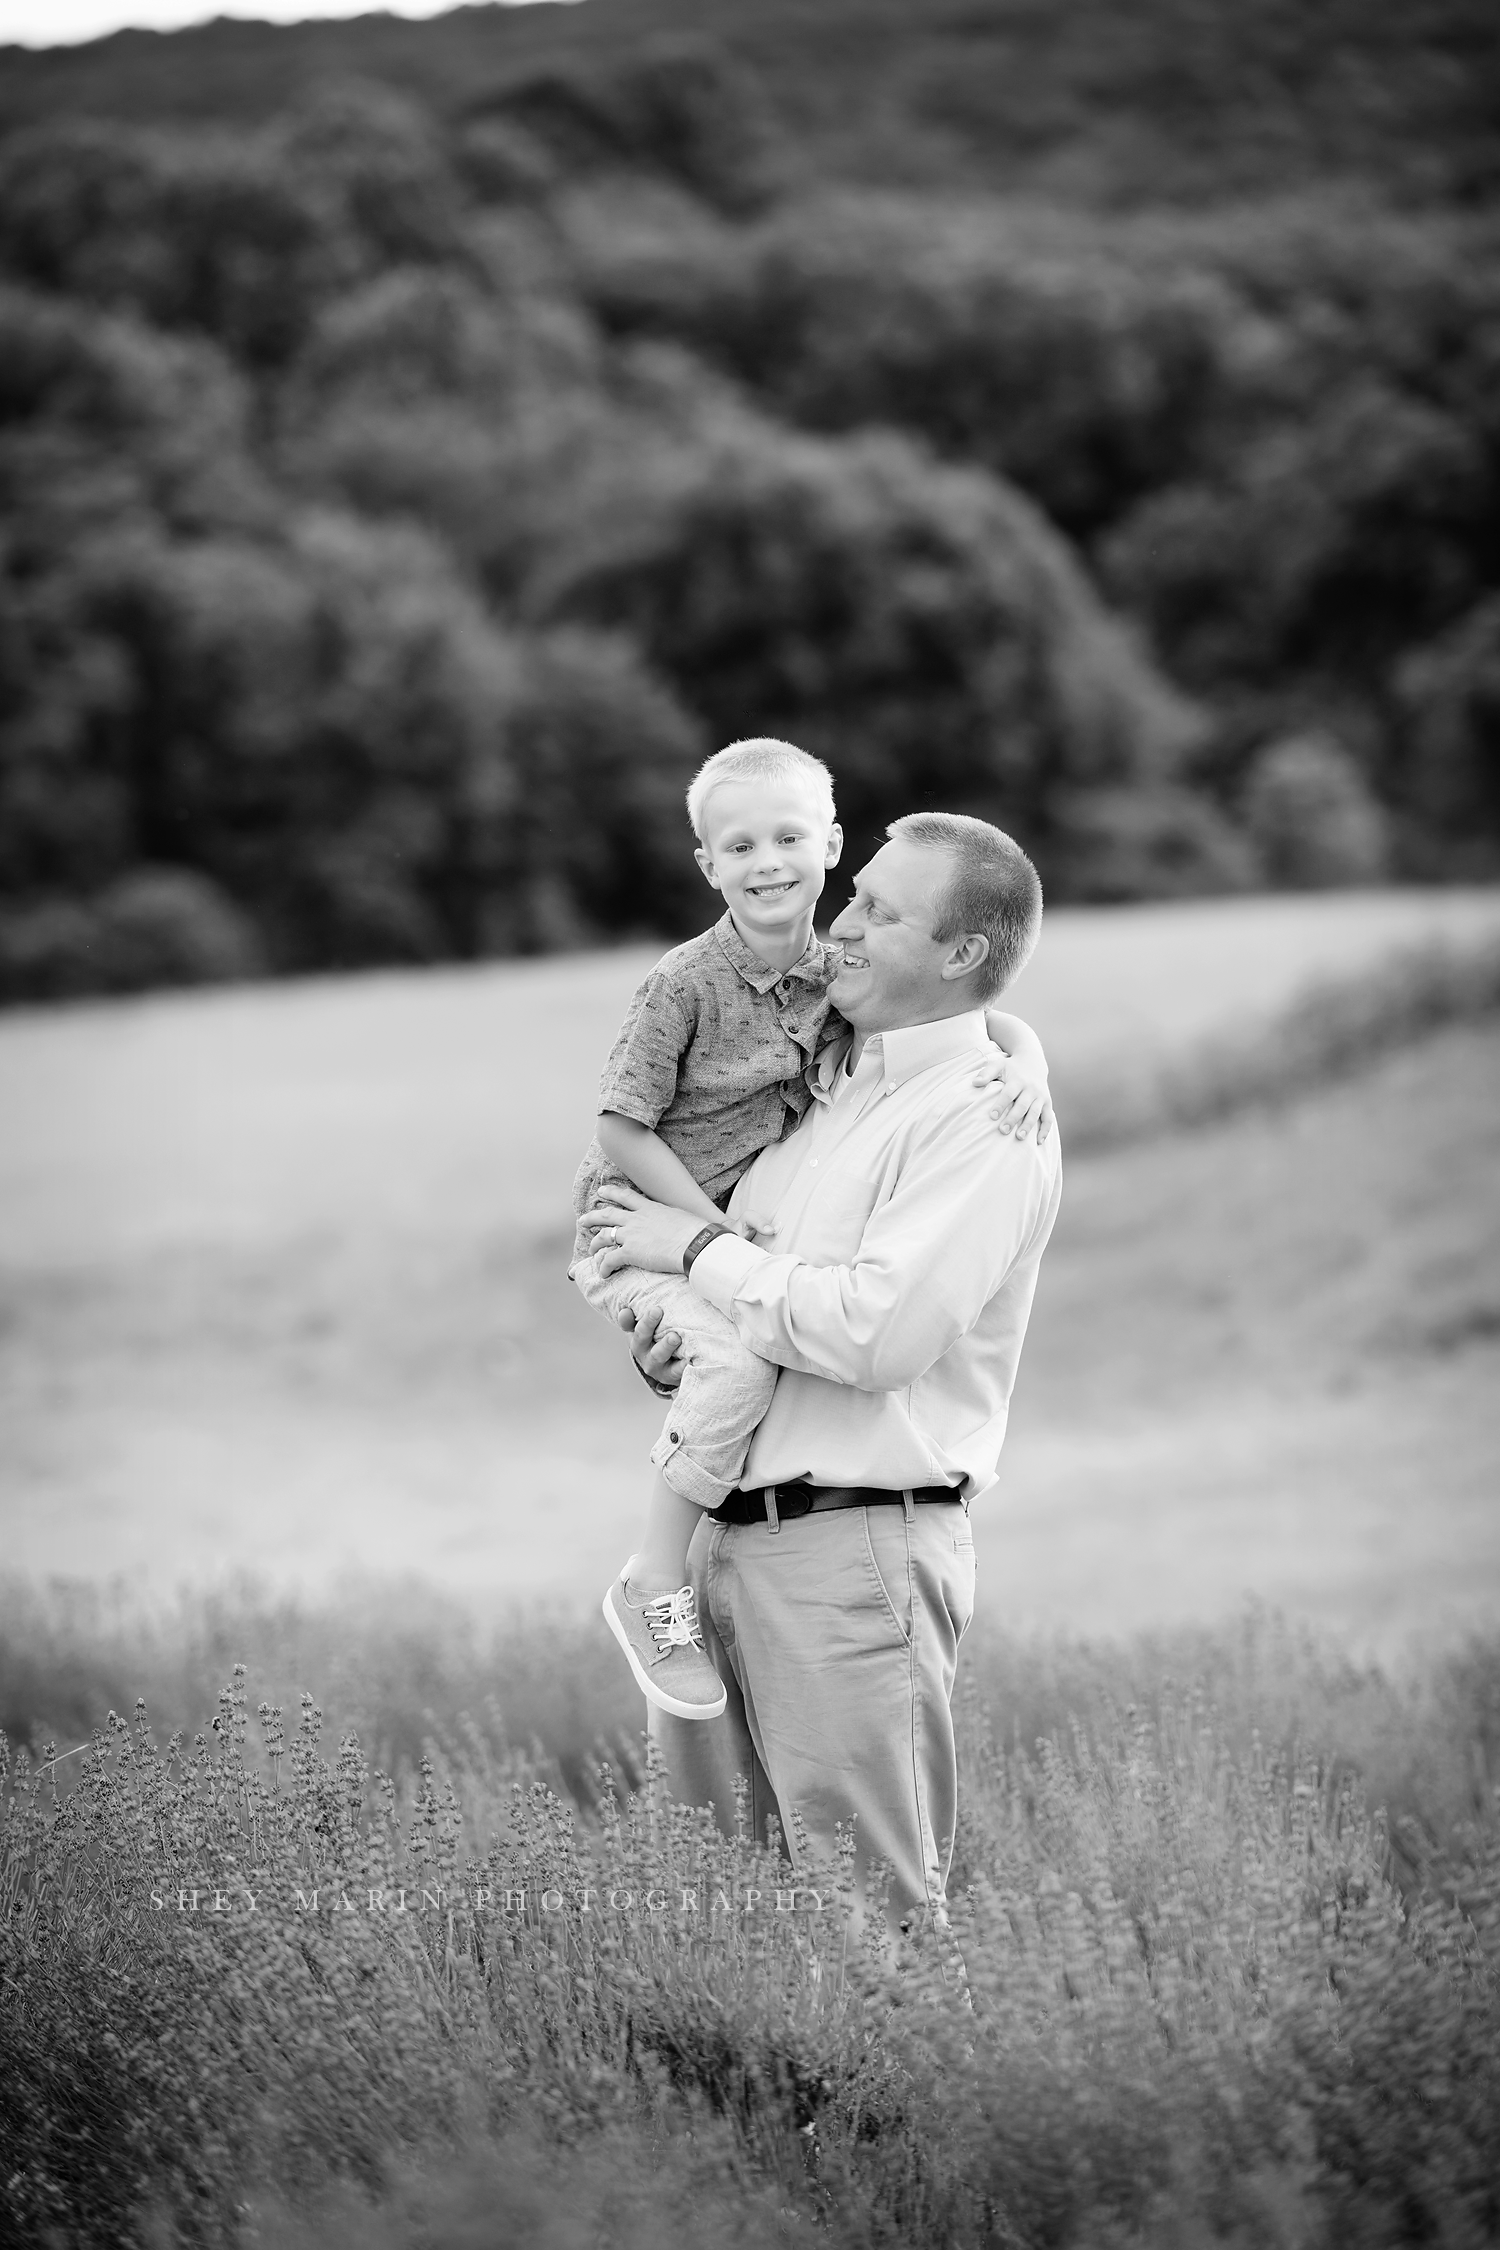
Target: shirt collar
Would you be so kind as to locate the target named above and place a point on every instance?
(811, 967)
(895, 1056)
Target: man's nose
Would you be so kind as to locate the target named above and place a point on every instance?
(844, 923)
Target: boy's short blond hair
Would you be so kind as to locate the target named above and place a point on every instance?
(761, 758)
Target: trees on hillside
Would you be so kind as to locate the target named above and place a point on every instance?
(923, 628)
(394, 512)
(312, 710)
(1274, 431)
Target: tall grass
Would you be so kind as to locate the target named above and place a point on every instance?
(1334, 1027)
(393, 1660)
(402, 1666)
(1189, 1991)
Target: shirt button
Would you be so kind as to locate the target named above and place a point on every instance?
(812, 1160)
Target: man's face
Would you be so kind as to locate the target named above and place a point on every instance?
(767, 846)
(892, 972)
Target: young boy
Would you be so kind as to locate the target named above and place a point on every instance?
(709, 1067)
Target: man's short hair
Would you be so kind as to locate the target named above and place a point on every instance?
(759, 759)
(995, 892)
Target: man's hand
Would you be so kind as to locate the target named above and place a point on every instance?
(655, 1349)
(1024, 1101)
(628, 1229)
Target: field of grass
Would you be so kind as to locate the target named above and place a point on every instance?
(283, 1292)
(282, 1282)
(1200, 1985)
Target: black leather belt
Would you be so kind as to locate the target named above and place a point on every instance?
(788, 1501)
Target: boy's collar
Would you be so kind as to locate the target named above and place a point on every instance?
(761, 978)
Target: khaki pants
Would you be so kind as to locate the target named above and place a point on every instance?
(725, 1387)
(837, 1637)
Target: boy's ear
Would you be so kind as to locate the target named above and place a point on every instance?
(835, 846)
(705, 861)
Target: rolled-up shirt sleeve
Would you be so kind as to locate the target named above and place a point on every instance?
(967, 1204)
(640, 1076)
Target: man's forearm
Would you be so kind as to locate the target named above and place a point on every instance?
(928, 1262)
(859, 1325)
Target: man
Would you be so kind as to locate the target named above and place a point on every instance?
(896, 1243)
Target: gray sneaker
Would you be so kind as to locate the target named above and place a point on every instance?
(663, 1644)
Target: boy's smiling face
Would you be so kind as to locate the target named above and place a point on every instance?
(767, 845)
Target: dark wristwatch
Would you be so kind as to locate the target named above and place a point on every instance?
(701, 1241)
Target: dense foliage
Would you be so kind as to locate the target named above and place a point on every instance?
(1194, 1990)
(399, 496)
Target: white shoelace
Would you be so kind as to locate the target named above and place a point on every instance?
(673, 1619)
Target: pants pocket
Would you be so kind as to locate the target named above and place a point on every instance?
(959, 1591)
(893, 1583)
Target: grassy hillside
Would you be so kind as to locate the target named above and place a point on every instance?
(284, 1288)
(281, 1291)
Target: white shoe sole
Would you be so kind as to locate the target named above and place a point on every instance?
(648, 1686)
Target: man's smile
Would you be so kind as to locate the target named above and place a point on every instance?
(853, 961)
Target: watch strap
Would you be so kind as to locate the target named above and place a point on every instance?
(701, 1241)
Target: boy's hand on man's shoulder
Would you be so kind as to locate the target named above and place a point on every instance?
(1023, 1103)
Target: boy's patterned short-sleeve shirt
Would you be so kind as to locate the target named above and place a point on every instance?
(711, 1056)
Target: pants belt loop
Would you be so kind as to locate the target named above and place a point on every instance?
(772, 1519)
(909, 1504)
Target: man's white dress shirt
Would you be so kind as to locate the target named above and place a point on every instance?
(898, 1234)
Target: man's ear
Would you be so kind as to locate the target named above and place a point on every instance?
(968, 954)
(706, 862)
(835, 846)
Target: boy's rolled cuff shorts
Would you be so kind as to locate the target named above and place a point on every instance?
(725, 1388)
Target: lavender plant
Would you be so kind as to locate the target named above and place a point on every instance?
(1180, 1996)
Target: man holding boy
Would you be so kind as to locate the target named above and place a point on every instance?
(894, 1252)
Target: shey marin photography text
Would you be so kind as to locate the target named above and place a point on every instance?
(526, 1902)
